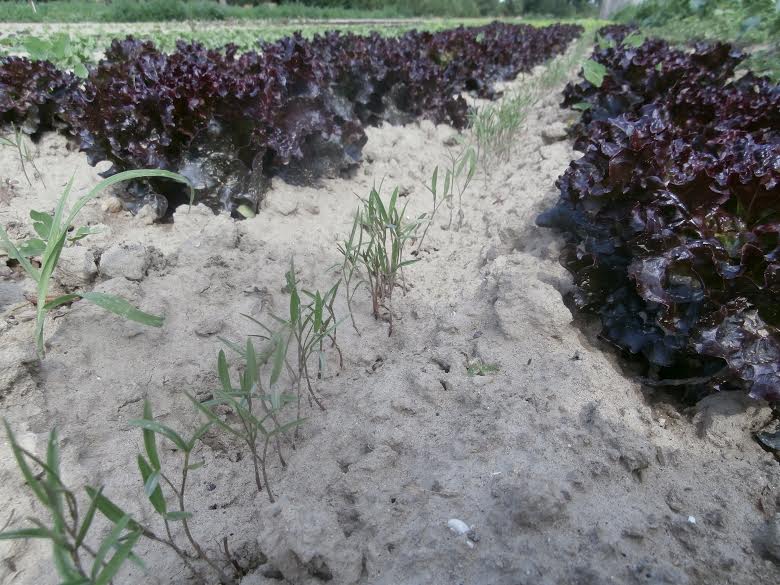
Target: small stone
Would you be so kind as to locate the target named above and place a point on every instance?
(112, 205)
(76, 267)
(674, 500)
(728, 419)
(130, 260)
(554, 132)
(147, 215)
(208, 326)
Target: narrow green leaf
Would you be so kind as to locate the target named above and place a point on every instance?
(121, 307)
(212, 416)
(152, 483)
(126, 176)
(81, 233)
(111, 541)
(161, 429)
(76, 581)
(52, 482)
(251, 371)
(150, 441)
(108, 508)
(151, 478)
(279, 356)
(25, 533)
(61, 300)
(88, 518)
(27, 473)
(295, 305)
(222, 370)
(112, 567)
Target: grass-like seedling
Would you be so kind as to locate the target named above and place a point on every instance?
(379, 258)
(54, 232)
(495, 126)
(311, 324)
(76, 560)
(479, 368)
(158, 484)
(350, 274)
(18, 143)
(457, 177)
(257, 411)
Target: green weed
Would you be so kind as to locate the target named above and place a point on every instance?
(76, 561)
(496, 126)
(479, 368)
(379, 259)
(54, 233)
(17, 142)
(256, 409)
(457, 178)
(350, 276)
(310, 324)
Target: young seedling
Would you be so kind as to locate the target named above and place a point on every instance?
(350, 274)
(158, 484)
(17, 142)
(309, 326)
(478, 368)
(456, 182)
(496, 126)
(54, 232)
(379, 258)
(257, 411)
(75, 561)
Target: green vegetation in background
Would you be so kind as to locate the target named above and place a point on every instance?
(69, 45)
(753, 24)
(181, 10)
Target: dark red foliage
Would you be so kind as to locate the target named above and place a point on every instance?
(672, 215)
(615, 33)
(32, 93)
(422, 74)
(223, 120)
(295, 109)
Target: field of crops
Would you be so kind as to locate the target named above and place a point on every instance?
(287, 307)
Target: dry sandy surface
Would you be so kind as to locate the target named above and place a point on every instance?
(562, 466)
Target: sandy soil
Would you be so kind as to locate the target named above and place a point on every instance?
(566, 470)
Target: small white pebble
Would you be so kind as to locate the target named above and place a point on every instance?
(692, 519)
(458, 526)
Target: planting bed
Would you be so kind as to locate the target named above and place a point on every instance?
(490, 402)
